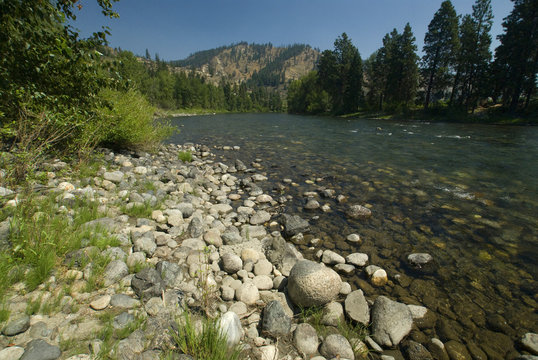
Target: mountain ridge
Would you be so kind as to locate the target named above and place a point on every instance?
(256, 64)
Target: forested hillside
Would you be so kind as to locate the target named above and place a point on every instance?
(260, 65)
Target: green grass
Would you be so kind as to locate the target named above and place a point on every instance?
(185, 156)
(111, 336)
(207, 344)
(40, 237)
(99, 264)
(142, 210)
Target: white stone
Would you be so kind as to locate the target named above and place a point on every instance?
(230, 326)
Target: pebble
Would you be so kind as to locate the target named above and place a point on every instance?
(101, 303)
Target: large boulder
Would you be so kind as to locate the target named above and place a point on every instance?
(313, 284)
(391, 321)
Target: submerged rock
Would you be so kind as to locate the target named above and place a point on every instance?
(358, 212)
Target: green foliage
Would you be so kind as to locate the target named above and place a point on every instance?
(128, 120)
(209, 343)
(441, 47)
(142, 210)
(516, 58)
(185, 156)
(305, 96)
(340, 75)
(40, 236)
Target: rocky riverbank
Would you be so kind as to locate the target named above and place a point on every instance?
(216, 244)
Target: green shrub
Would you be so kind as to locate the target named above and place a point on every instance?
(185, 156)
(130, 122)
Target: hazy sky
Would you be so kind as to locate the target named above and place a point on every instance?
(177, 28)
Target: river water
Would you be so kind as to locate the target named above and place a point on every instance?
(466, 194)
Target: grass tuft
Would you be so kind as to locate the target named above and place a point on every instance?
(209, 343)
(185, 156)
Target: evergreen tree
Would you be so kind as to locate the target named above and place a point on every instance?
(340, 74)
(516, 58)
(475, 56)
(440, 49)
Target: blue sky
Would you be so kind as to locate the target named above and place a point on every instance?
(177, 28)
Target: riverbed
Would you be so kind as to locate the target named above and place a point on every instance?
(466, 194)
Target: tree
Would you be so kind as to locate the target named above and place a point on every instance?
(475, 56)
(305, 96)
(396, 67)
(340, 74)
(516, 58)
(441, 44)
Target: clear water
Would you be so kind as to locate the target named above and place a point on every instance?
(466, 194)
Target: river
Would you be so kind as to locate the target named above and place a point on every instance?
(466, 194)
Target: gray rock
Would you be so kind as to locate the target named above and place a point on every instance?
(212, 237)
(344, 268)
(115, 253)
(357, 307)
(391, 321)
(247, 293)
(294, 224)
(283, 255)
(230, 325)
(418, 260)
(437, 349)
(122, 320)
(358, 212)
(196, 227)
(529, 342)
(105, 223)
(147, 284)
(263, 282)
(186, 209)
(4, 235)
(357, 259)
(337, 346)
(329, 257)
(39, 349)
(123, 301)
(263, 267)
(416, 351)
(354, 238)
(333, 314)
(275, 321)
(136, 258)
(457, 350)
(312, 284)
(17, 326)
(312, 204)
(170, 273)
(11, 353)
(113, 176)
(231, 236)
(260, 217)
(305, 339)
(146, 245)
(114, 272)
(231, 263)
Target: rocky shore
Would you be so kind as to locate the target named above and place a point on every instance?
(218, 246)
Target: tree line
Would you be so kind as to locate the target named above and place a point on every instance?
(457, 71)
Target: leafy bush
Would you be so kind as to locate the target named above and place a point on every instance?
(129, 119)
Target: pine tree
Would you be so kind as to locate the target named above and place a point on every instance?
(516, 58)
(475, 56)
(340, 74)
(440, 49)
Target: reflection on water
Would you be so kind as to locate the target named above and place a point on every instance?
(467, 194)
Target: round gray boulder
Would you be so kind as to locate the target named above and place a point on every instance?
(312, 284)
